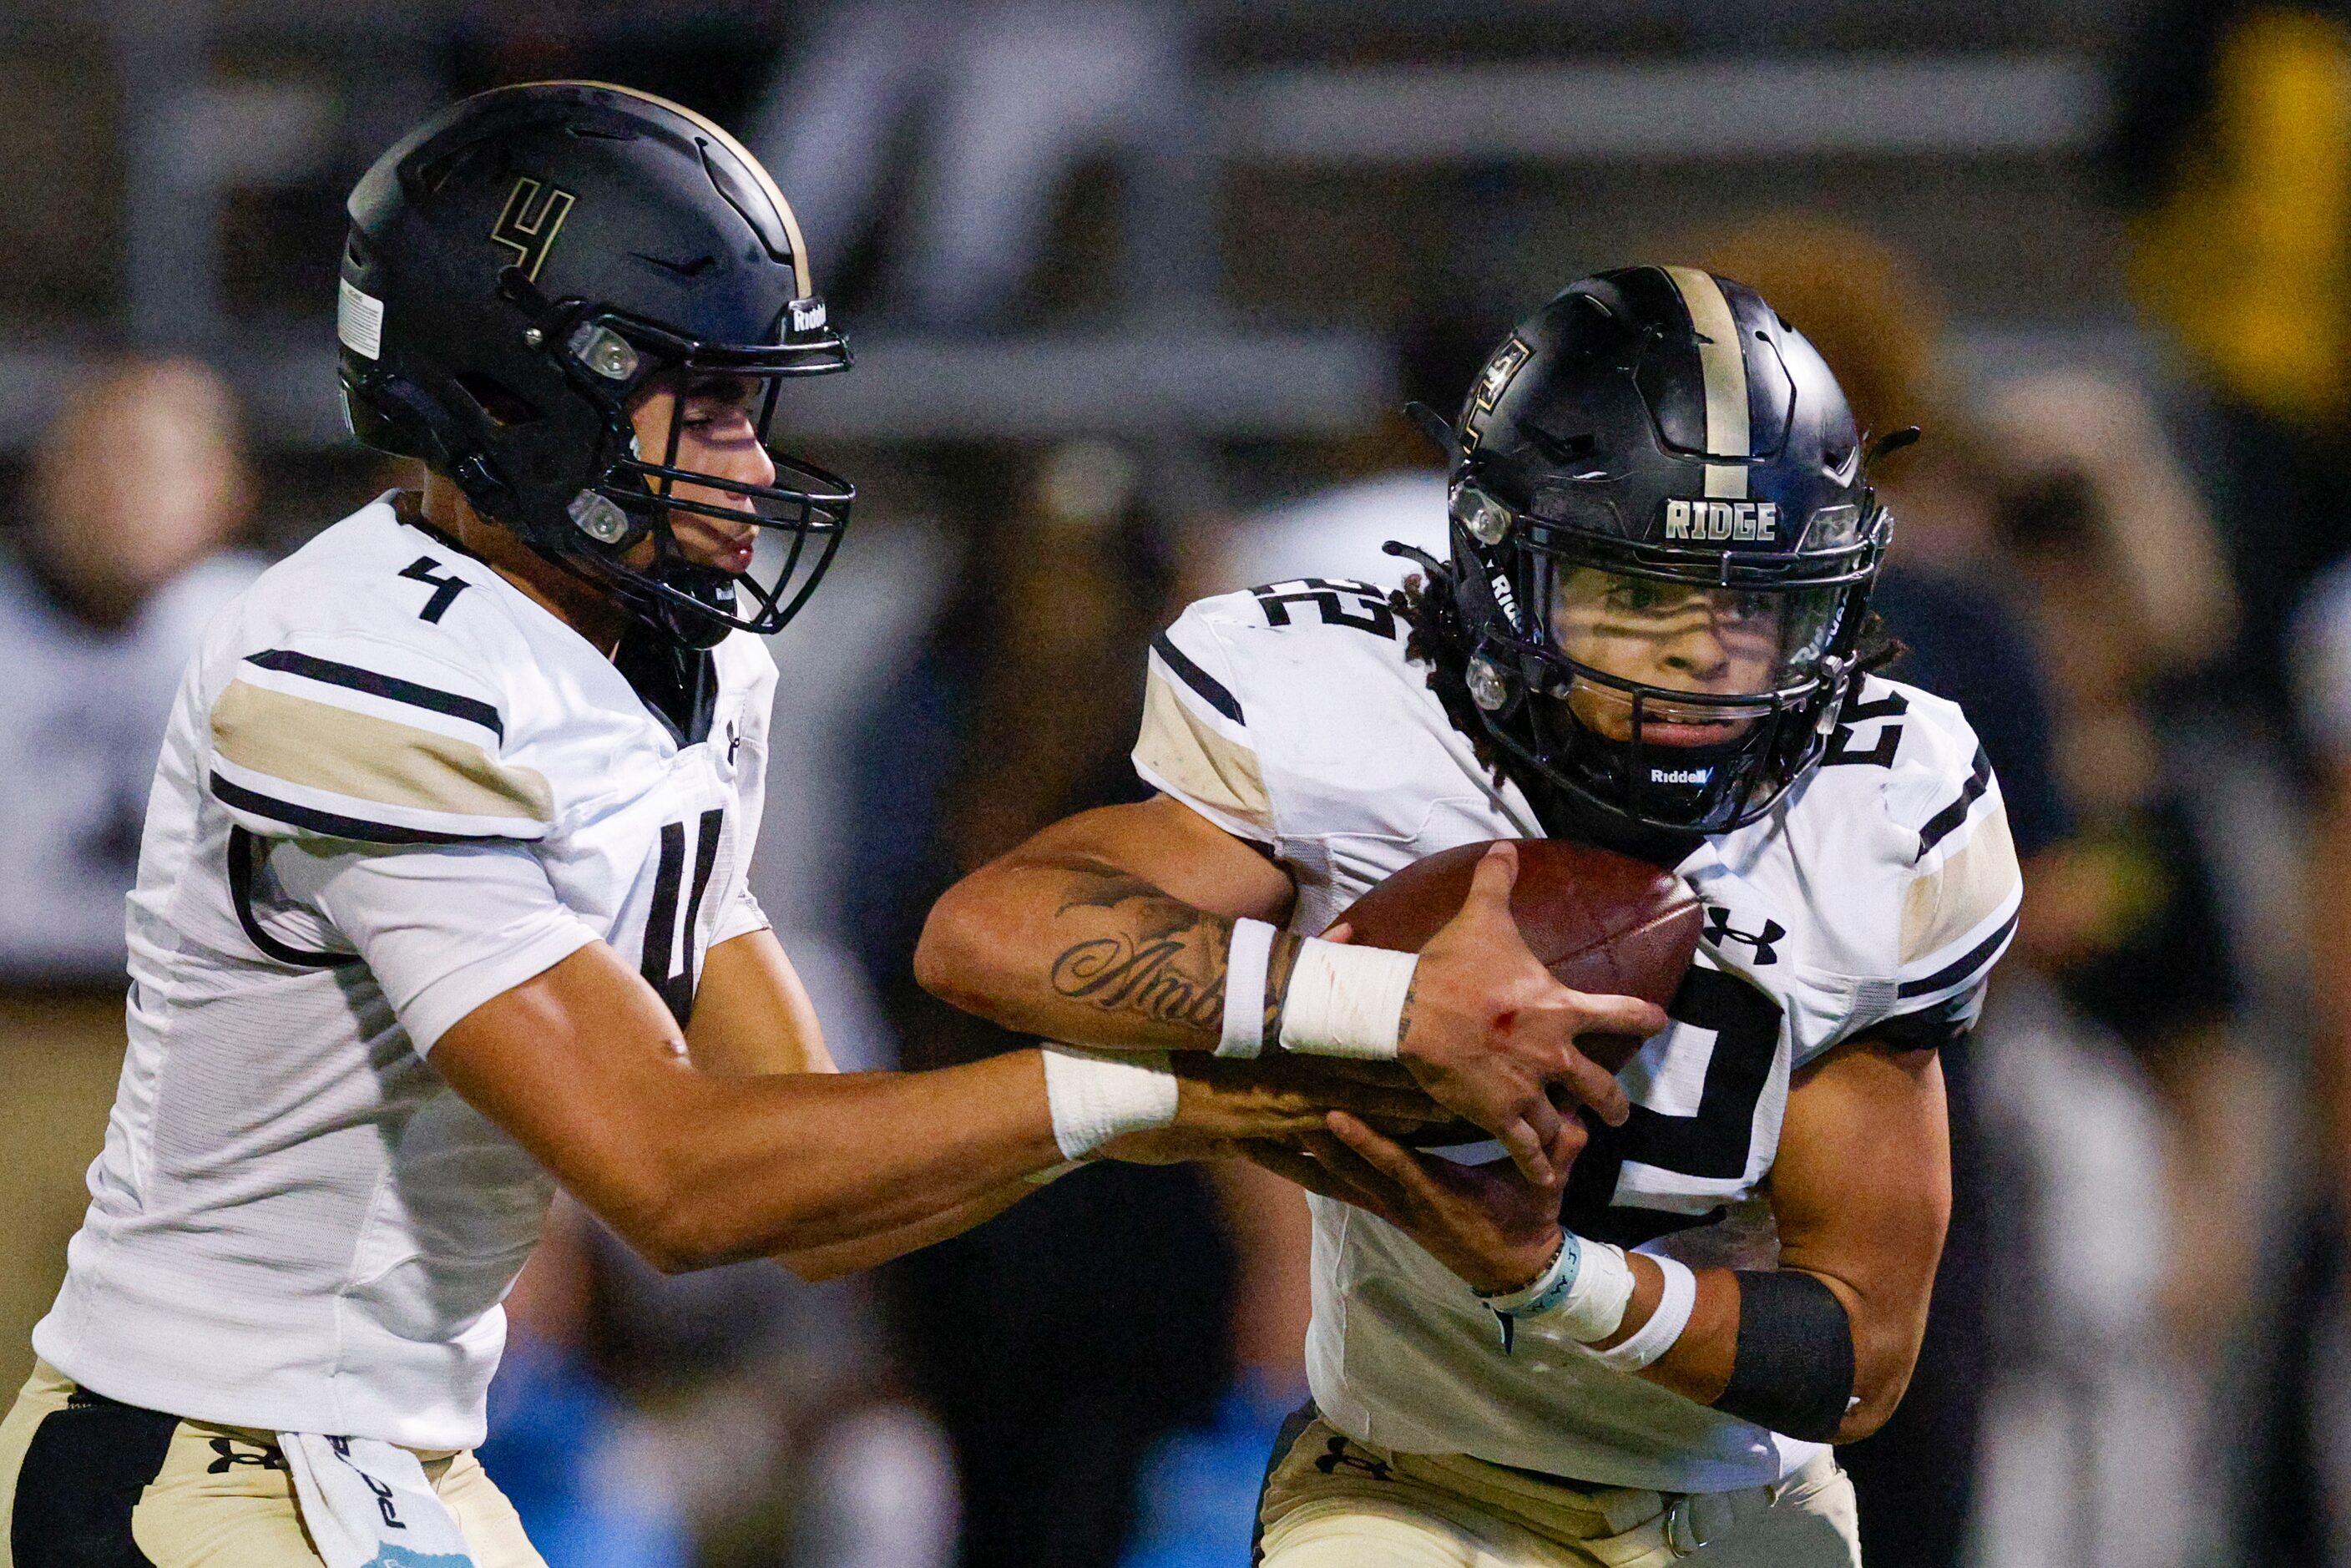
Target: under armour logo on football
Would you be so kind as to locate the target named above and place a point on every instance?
(231, 1453)
(1718, 931)
(531, 235)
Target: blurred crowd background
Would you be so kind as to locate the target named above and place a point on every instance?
(1137, 289)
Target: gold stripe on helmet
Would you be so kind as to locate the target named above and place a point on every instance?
(1724, 364)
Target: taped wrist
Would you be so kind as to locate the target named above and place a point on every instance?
(1584, 1293)
(1792, 1370)
(1094, 1096)
(1345, 1000)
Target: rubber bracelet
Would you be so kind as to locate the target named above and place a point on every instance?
(1665, 1326)
(1245, 973)
(1546, 1288)
(1095, 1096)
(1346, 1001)
(1585, 1292)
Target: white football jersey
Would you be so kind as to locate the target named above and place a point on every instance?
(1881, 888)
(392, 786)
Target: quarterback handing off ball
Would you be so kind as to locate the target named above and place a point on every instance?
(1599, 921)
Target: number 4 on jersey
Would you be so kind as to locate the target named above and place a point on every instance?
(445, 589)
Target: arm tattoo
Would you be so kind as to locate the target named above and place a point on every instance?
(1170, 969)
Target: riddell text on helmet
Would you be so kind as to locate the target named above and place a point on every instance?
(1722, 520)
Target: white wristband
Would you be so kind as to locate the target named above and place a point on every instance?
(1345, 1000)
(1665, 1326)
(1244, 970)
(1095, 1096)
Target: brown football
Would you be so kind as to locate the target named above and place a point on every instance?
(1599, 921)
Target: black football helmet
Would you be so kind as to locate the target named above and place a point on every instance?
(526, 263)
(1663, 545)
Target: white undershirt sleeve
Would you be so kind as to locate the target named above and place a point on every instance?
(442, 929)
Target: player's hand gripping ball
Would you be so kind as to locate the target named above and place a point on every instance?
(1598, 921)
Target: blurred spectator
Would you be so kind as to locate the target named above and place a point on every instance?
(1336, 533)
(2319, 1391)
(104, 583)
(136, 490)
(1385, 482)
(2128, 914)
(2162, 1094)
(1012, 96)
(2093, 1452)
(2231, 146)
(769, 1410)
(1880, 328)
(2323, 670)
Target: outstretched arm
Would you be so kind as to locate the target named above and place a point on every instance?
(752, 1016)
(586, 1069)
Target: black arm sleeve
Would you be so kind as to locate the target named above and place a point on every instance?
(1792, 1370)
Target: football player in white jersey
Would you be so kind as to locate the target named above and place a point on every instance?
(441, 896)
(1653, 634)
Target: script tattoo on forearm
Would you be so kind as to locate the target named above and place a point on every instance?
(1170, 969)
